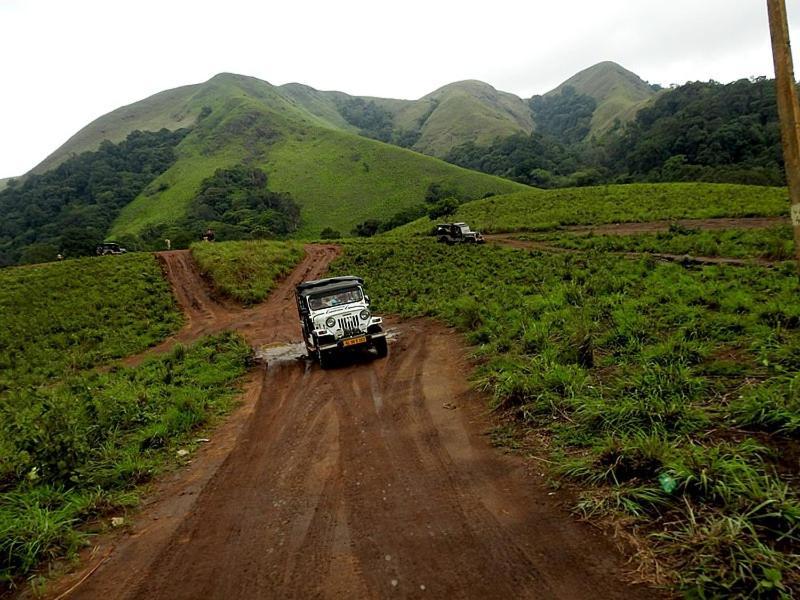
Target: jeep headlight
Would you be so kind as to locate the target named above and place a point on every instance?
(364, 314)
(330, 322)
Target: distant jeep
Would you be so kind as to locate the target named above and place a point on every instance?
(107, 248)
(457, 233)
(335, 317)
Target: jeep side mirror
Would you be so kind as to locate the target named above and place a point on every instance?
(366, 298)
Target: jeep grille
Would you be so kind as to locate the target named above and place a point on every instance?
(349, 324)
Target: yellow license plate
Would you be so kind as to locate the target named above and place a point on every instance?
(356, 341)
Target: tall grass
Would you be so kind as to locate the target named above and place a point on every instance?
(648, 377)
(246, 271)
(537, 210)
(72, 452)
(61, 318)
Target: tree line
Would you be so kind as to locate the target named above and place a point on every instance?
(701, 131)
(70, 208)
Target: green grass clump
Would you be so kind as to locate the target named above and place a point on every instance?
(538, 210)
(774, 243)
(72, 452)
(648, 377)
(246, 271)
(61, 318)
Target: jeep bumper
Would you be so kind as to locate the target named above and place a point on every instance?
(340, 344)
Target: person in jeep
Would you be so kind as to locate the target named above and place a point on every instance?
(335, 317)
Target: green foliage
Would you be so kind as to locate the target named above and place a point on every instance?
(239, 199)
(537, 210)
(623, 364)
(61, 318)
(330, 234)
(372, 120)
(76, 450)
(246, 271)
(707, 132)
(367, 229)
(536, 159)
(443, 208)
(71, 207)
(567, 115)
(695, 132)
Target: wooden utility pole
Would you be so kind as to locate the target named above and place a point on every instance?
(788, 108)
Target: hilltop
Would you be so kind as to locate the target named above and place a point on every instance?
(619, 93)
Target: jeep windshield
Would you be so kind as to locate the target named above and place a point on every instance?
(335, 298)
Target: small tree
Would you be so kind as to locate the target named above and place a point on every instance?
(330, 234)
(368, 228)
(443, 208)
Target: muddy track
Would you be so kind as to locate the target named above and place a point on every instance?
(664, 225)
(511, 241)
(369, 480)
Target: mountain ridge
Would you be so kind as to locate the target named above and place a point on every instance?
(463, 111)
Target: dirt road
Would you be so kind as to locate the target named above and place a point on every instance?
(624, 229)
(373, 479)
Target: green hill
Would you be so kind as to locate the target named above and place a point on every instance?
(619, 93)
(535, 210)
(466, 111)
(338, 178)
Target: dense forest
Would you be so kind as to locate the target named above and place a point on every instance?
(376, 122)
(696, 132)
(69, 209)
(236, 203)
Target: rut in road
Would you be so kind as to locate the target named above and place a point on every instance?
(369, 480)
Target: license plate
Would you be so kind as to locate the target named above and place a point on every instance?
(356, 341)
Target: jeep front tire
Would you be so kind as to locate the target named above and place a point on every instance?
(325, 358)
(381, 347)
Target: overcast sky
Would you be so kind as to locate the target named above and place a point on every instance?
(66, 62)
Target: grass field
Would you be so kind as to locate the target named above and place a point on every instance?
(60, 318)
(775, 243)
(669, 394)
(74, 452)
(246, 271)
(538, 210)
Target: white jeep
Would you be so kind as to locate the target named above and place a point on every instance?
(335, 317)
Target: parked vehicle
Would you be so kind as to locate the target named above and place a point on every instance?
(457, 233)
(109, 248)
(335, 318)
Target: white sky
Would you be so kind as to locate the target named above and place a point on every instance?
(63, 63)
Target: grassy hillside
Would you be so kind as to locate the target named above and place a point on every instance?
(60, 318)
(338, 178)
(467, 111)
(619, 93)
(539, 210)
(170, 109)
